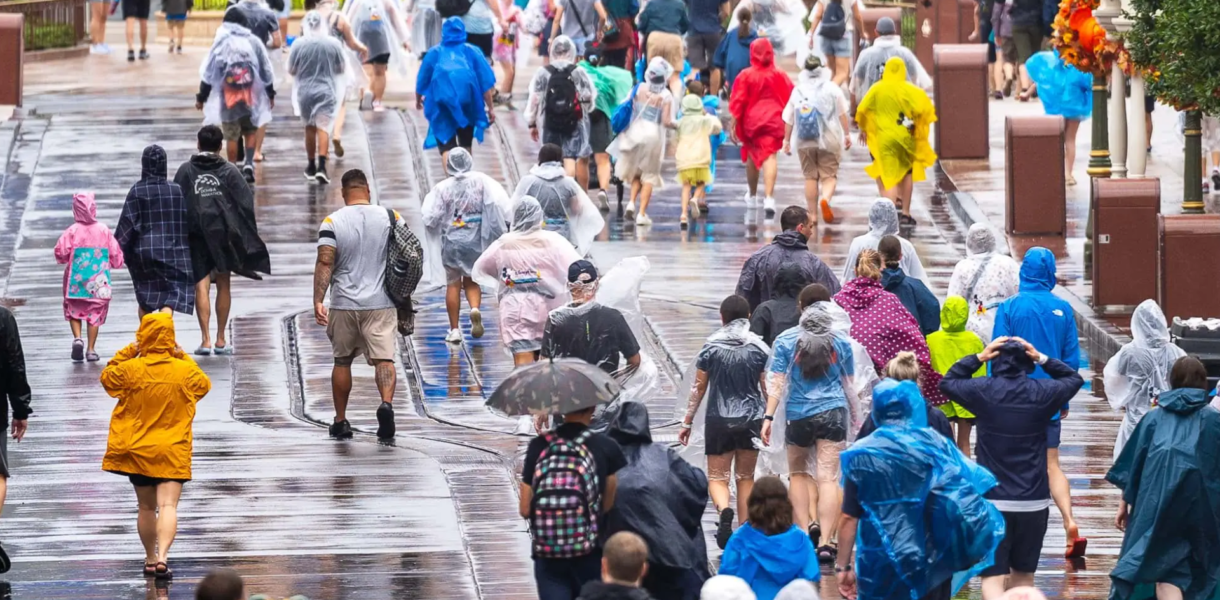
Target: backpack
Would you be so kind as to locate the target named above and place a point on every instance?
(808, 120)
(834, 20)
(453, 8)
(567, 501)
(404, 267)
(562, 111)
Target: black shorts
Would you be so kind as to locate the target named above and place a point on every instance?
(464, 138)
(830, 426)
(722, 436)
(146, 481)
(482, 41)
(600, 134)
(136, 9)
(1054, 432)
(380, 59)
(544, 39)
(1149, 103)
(1022, 544)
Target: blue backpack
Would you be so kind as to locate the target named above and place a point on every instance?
(621, 119)
(808, 120)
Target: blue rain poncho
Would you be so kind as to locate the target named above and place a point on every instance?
(463, 215)
(452, 80)
(770, 562)
(1063, 89)
(925, 519)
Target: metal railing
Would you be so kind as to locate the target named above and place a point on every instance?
(50, 23)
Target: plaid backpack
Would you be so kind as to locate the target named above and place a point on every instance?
(566, 502)
(404, 267)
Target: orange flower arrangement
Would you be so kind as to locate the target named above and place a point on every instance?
(1082, 41)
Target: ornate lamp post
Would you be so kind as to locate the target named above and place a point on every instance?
(1192, 170)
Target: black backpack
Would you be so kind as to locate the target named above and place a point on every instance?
(453, 8)
(834, 20)
(562, 110)
(404, 267)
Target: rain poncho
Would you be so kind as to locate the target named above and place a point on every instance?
(238, 78)
(757, 280)
(452, 79)
(757, 104)
(90, 251)
(640, 149)
(425, 25)
(1062, 88)
(463, 215)
(1139, 372)
(870, 65)
(883, 221)
(157, 386)
(985, 278)
(152, 232)
(377, 24)
(1169, 473)
(356, 78)
(1037, 315)
(896, 117)
(575, 143)
(952, 342)
(613, 86)
(925, 519)
(222, 229)
(318, 66)
(780, 21)
(816, 91)
(733, 54)
(528, 269)
(769, 562)
(567, 209)
(693, 147)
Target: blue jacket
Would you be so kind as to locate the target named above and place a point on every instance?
(733, 54)
(769, 562)
(1012, 410)
(452, 79)
(1037, 315)
(916, 297)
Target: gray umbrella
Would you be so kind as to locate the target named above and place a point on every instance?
(553, 387)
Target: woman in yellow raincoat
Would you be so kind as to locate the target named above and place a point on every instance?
(895, 118)
(947, 346)
(150, 430)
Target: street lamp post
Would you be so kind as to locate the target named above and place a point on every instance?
(1099, 157)
(1192, 170)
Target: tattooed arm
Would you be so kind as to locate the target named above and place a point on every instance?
(321, 281)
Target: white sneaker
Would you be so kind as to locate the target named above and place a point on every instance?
(769, 207)
(751, 201)
(603, 202)
(104, 48)
(629, 213)
(643, 220)
(476, 323)
(454, 337)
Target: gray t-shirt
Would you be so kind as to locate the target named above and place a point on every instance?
(582, 11)
(359, 234)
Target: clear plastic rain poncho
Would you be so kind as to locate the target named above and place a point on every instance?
(378, 25)
(463, 215)
(238, 69)
(638, 151)
(1139, 372)
(528, 268)
(567, 209)
(925, 519)
(985, 278)
(319, 69)
(425, 25)
(356, 78)
(883, 221)
(781, 22)
(870, 64)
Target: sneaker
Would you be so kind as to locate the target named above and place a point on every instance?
(695, 212)
(828, 216)
(321, 175)
(95, 49)
(143, 54)
(377, 106)
(341, 430)
(78, 350)
(131, 56)
(179, 50)
(338, 146)
(751, 201)
(603, 201)
(724, 528)
(103, 48)
(311, 171)
(1216, 179)
(769, 207)
(629, 214)
(247, 171)
(476, 323)
(385, 421)
(643, 220)
(454, 336)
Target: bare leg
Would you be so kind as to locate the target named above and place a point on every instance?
(906, 187)
(93, 331)
(685, 202)
(143, 34)
(635, 189)
(311, 142)
(963, 436)
(131, 33)
(798, 490)
(716, 77)
(378, 82)
(510, 74)
(828, 187)
(569, 167)
(231, 150)
(604, 171)
(341, 387)
(75, 326)
(842, 69)
(1072, 126)
(997, 70)
(224, 300)
(97, 22)
(1168, 591)
(770, 169)
(387, 379)
(146, 521)
(474, 294)
(744, 487)
(645, 196)
(258, 143)
(521, 359)
(453, 302)
(993, 587)
(203, 309)
(1018, 579)
(811, 195)
(582, 172)
(337, 132)
(829, 505)
(1148, 126)
(168, 494)
(719, 491)
(752, 177)
(1061, 491)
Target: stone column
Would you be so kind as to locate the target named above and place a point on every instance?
(1118, 122)
(1137, 130)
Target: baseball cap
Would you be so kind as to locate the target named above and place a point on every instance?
(582, 271)
(885, 26)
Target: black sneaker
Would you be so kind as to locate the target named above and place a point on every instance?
(341, 430)
(385, 421)
(143, 54)
(311, 171)
(724, 529)
(247, 171)
(5, 563)
(131, 56)
(321, 175)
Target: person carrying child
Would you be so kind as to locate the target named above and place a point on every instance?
(694, 153)
(90, 251)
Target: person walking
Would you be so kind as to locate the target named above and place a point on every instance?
(15, 393)
(757, 103)
(1066, 92)
(454, 88)
(89, 250)
(662, 25)
(504, 52)
(480, 19)
(361, 319)
(1012, 411)
(614, 85)
(780, 313)
(624, 569)
(834, 22)
(733, 54)
(157, 386)
(639, 149)
(566, 208)
(557, 111)
(947, 346)
(1005, 50)
(152, 233)
(587, 329)
(707, 18)
(895, 118)
(769, 551)
(354, 56)
(379, 26)
(1043, 319)
(264, 24)
(98, 11)
(815, 125)
(136, 11)
(1167, 474)
(693, 155)
(618, 47)
(463, 215)
(1026, 17)
(582, 22)
(1139, 372)
(175, 18)
(725, 411)
(757, 282)
(985, 278)
(424, 23)
(913, 294)
(883, 221)
(319, 70)
(870, 65)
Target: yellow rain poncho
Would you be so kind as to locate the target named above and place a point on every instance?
(157, 387)
(896, 117)
(953, 342)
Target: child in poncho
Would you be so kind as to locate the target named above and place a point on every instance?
(949, 345)
(90, 251)
(694, 153)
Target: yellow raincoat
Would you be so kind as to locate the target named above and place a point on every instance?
(157, 387)
(952, 343)
(896, 116)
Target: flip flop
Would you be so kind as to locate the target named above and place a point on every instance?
(223, 350)
(1076, 544)
(203, 351)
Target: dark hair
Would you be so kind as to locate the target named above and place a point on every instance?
(734, 307)
(695, 87)
(769, 509)
(744, 16)
(354, 178)
(868, 264)
(814, 292)
(891, 251)
(221, 584)
(626, 555)
(550, 153)
(210, 138)
(793, 216)
(1188, 372)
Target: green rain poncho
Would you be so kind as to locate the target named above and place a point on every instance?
(1169, 473)
(953, 342)
(613, 86)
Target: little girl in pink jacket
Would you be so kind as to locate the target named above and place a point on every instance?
(90, 251)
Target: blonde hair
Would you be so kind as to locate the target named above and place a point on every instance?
(868, 264)
(903, 367)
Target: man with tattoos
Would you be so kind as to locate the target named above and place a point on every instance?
(361, 318)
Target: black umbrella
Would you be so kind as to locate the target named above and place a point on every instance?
(553, 387)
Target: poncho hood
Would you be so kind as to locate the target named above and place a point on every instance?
(791, 239)
(784, 556)
(1012, 362)
(883, 218)
(84, 208)
(860, 293)
(550, 171)
(453, 32)
(895, 71)
(954, 314)
(1183, 401)
(154, 164)
(156, 334)
(1038, 270)
(762, 54)
(789, 281)
(1148, 326)
(631, 424)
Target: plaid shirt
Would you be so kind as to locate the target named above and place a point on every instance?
(152, 233)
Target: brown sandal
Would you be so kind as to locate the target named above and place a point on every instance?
(150, 569)
(163, 571)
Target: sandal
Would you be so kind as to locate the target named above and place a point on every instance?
(1076, 545)
(163, 571)
(815, 533)
(827, 554)
(338, 147)
(906, 220)
(150, 569)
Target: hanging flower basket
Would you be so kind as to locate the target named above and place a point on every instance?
(1082, 41)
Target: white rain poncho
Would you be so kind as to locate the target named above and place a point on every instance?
(871, 64)
(816, 90)
(985, 278)
(883, 221)
(238, 69)
(357, 79)
(319, 70)
(425, 25)
(781, 22)
(567, 209)
(639, 150)
(463, 215)
(528, 268)
(1139, 372)
(377, 24)
(563, 56)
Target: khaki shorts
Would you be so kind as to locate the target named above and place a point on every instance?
(372, 333)
(668, 46)
(235, 129)
(818, 164)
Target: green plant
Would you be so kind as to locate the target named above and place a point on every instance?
(1174, 42)
(42, 36)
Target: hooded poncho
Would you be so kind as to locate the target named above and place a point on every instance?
(90, 251)
(640, 149)
(238, 72)
(769, 562)
(1037, 315)
(318, 66)
(883, 221)
(377, 24)
(222, 230)
(563, 59)
(1063, 89)
(757, 104)
(896, 117)
(452, 79)
(985, 278)
(567, 209)
(951, 343)
(1139, 372)
(871, 64)
(463, 215)
(152, 232)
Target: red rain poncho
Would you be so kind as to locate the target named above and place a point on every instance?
(760, 94)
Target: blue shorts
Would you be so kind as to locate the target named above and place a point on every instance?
(1053, 433)
(840, 48)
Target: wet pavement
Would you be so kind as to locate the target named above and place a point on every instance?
(434, 514)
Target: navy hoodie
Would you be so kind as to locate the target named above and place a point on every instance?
(916, 297)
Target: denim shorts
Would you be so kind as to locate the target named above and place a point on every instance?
(840, 48)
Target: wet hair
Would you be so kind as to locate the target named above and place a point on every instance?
(792, 217)
(814, 292)
(695, 87)
(734, 307)
(769, 508)
(221, 584)
(868, 264)
(550, 153)
(891, 251)
(354, 178)
(1188, 372)
(903, 367)
(210, 138)
(626, 555)
(744, 16)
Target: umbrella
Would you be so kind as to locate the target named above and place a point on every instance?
(553, 387)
